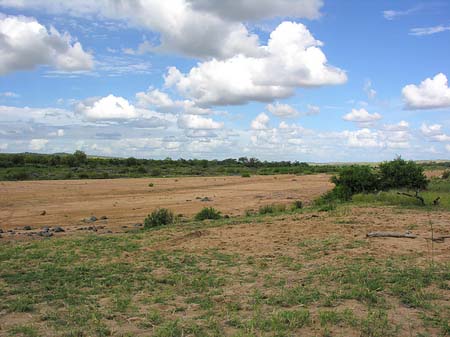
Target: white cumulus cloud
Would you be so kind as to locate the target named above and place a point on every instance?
(291, 59)
(191, 27)
(282, 110)
(260, 122)
(107, 108)
(362, 116)
(431, 93)
(196, 122)
(26, 44)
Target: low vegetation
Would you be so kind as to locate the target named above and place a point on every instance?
(159, 217)
(30, 166)
(208, 213)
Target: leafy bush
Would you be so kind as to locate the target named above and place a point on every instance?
(446, 175)
(271, 209)
(245, 175)
(399, 173)
(159, 217)
(208, 213)
(365, 179)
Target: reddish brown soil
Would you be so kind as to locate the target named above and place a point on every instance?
(127, 201)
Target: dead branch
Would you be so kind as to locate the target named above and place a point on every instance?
(417, 196)
(391, 235)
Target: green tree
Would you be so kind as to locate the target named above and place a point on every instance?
(399, 173)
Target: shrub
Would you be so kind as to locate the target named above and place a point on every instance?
(208, 213)
(355, 179)
(298, 204)
(446, 175)
(151, 185)
(271, 209)
(364, 179)
(159, 217)
(245, 175)
(399, 173)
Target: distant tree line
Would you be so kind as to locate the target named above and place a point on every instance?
(32, 166)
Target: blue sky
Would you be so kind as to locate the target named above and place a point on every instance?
(310, 80)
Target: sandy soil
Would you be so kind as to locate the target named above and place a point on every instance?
(127, 201)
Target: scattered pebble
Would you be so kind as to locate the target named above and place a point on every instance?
(27, 228)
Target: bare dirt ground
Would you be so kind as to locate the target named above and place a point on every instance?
(128, 201)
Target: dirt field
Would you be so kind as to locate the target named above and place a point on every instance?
(308, 272)
(127, 201)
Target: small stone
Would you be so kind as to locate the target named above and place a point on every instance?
(104, 217)
(27, 228)
(45, 234)
(43, 212)
(45, 229)
(92, 219)
(137, 225)
(58, 229)
(109, 232)
(1, 231)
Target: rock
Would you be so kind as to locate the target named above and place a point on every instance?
(45, 229)
(27, 228)
(43, 212)
(58, 229)
(104, 217)
(137, 225)
(205, 199)
(124, 226)
(93, 219)
(109, 232)
(1, 231)
(45, 234)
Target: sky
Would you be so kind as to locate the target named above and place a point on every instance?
(306, 80)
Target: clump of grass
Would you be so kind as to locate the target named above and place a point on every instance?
(297, 204)
(245, 175)
(151, 185)
(208, 213)
(159, 217)
(272, 209)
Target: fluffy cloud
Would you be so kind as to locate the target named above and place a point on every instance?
(192, 27)
(362, 117)
(292, 58)
(196, 122)
(108, 108)
(195, 29)
(26, 44)
(282, 110)
(245, 10)
(363, 138)
(38, 144)
(432, 93)
(434, 133)
(260, 122)
(161, 101)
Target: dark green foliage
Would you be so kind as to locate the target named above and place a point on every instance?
(446, 174)
(245, 175)
(31, 166)
(365, 179)
(399, 173)
(208, 213)
(159, 217)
